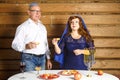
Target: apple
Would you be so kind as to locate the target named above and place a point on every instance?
(77, 76)
(100, 72)
(44, 77)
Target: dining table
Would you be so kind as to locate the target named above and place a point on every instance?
(34, 75)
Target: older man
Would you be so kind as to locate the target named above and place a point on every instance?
(31, 40)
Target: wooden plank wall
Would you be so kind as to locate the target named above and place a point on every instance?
(102, 18)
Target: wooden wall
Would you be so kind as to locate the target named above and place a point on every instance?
(102, 18)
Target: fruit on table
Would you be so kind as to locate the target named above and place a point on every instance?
(45, 76)
(100, 72)
(77, 76)
(69, 72)
(49, 76)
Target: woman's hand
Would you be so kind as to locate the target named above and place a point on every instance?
(55, 41)
(78, 51)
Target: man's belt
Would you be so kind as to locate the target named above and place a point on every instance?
(41, 55)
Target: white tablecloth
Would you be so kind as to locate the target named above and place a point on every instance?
(33, 75)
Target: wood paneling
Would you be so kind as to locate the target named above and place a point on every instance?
(107, 64)
(102, 18)
(66, 7)
(112, 42)
(13, 65)
(100, 54)
(9, 54)
(95, 30)
(100, 64)
(81, 1)
(104, 30)
(99, 42)
(60, 1)
(62, 19)
(107, 53)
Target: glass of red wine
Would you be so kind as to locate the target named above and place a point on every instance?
(22, 69)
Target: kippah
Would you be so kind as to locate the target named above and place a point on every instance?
(33, 4)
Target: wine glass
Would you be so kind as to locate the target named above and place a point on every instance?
(89, 60)
(22, 68)
(37, 68)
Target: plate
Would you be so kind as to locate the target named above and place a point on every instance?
(48, 76)
(68, 72)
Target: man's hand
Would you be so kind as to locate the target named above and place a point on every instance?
(31, 45)
(49, 64)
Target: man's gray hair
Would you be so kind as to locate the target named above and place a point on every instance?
(33, 4)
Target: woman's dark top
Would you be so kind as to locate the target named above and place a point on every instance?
(72, 61)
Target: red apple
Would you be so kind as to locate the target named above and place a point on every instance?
(100, 72)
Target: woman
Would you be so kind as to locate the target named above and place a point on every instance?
(73, 44)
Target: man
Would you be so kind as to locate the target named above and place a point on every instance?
(31, 40)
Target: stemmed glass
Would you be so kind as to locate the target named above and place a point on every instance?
(37, 68)
(22, 68)
(89, 60)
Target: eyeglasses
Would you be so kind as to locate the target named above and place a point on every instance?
(35, 11)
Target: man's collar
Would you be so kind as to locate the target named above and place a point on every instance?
(31, 21)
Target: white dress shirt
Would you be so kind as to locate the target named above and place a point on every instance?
(31, 32)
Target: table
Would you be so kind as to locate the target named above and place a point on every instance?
(32, 75)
